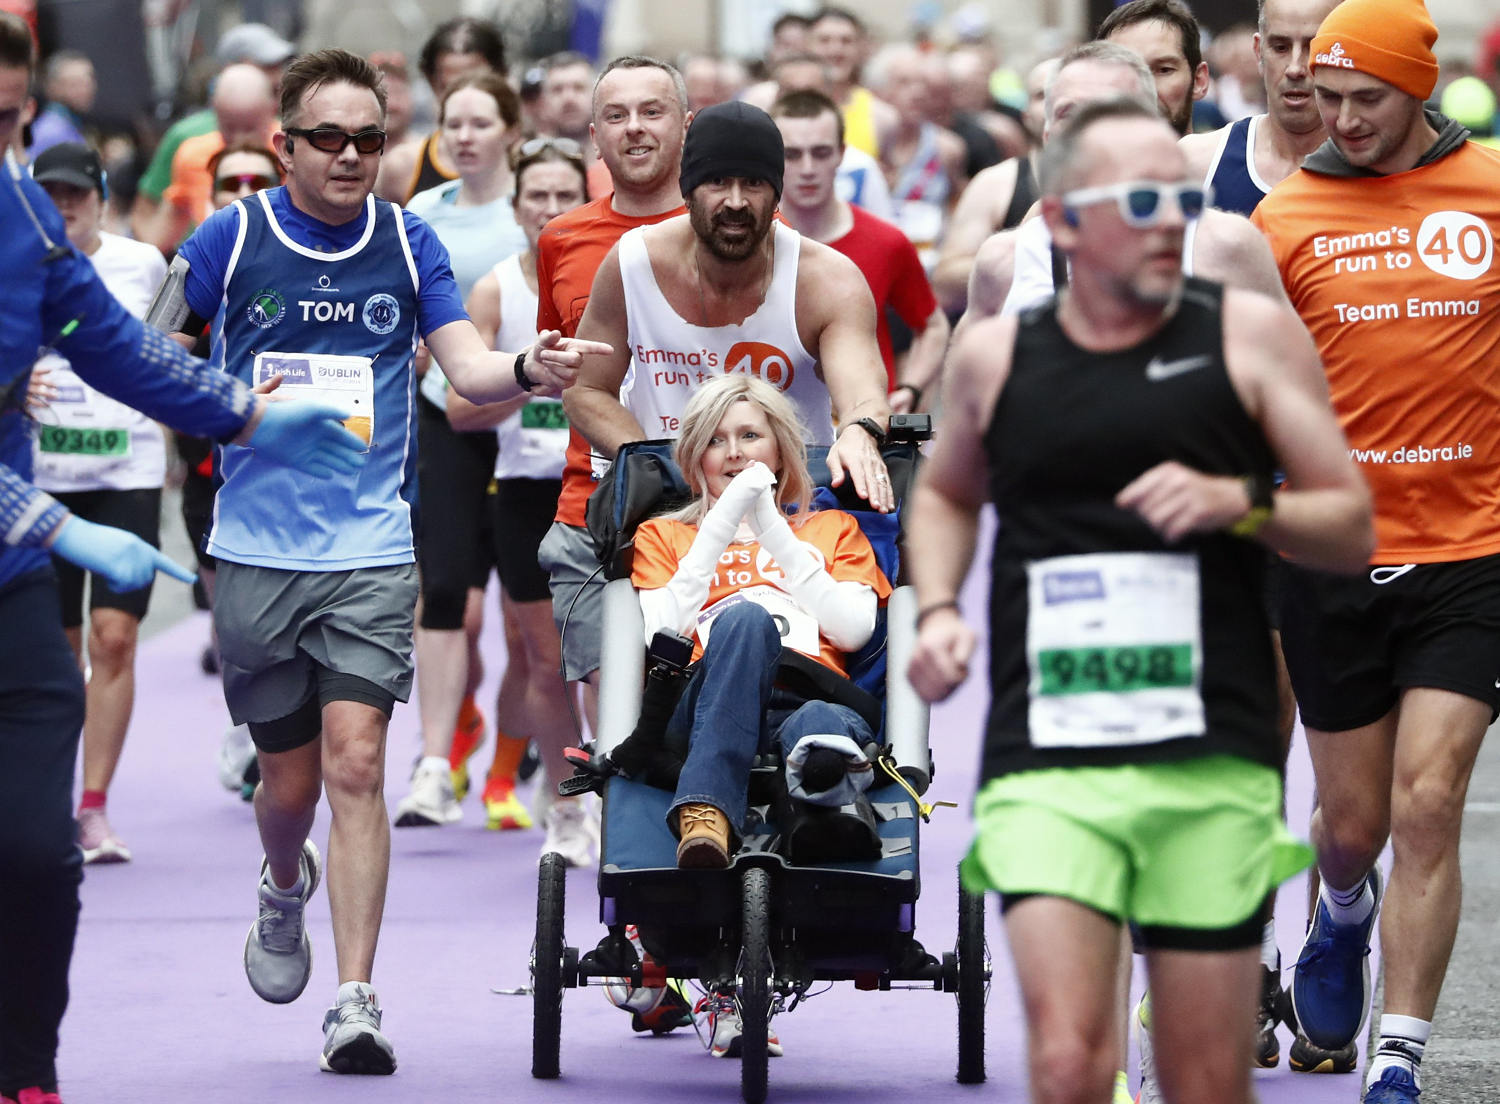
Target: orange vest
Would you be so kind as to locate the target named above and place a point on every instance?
(1396, 277)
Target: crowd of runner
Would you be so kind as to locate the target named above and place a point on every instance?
(1212, 323)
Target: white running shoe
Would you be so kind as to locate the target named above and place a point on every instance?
(572, 831)
(352, 1042)
(1150, 1092)
(236, 753)
(278, 954)
(431, 802)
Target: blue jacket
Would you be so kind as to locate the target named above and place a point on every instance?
(51, 295)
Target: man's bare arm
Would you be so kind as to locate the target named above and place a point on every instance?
(980, 209)
(994, 271)
(1199, 149)
(924, 360)
(1229, 250)
(593, 402)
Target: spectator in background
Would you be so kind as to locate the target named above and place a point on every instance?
(395, 71)
(973, 116)
(838, 36)
(565, 107)
(923, 162)
(249, 43)
(244, 105)
(789, 35)
(1238, 88)
(453, 49)
(69, 87)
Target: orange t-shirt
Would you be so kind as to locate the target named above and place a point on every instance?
(1396, 278)
(747, 570)
(569, 252)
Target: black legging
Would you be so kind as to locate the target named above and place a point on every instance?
(453, 544)
(41, 715)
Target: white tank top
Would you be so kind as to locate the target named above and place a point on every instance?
(670, 357)
(534, 439)
(85, 440)
(1031, 279)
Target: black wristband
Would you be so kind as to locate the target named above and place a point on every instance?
(1262, 505)
(523, 381)
(872, 427)
(927, 611)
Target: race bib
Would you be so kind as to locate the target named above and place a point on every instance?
(74, 441)
(346, 382)
(798, 628)
(1114, 648)
(543, 414)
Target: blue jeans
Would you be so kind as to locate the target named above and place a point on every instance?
(726, 716)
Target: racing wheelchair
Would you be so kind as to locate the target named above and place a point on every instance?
(785, 915)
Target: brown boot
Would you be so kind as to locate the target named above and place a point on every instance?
(705, 838)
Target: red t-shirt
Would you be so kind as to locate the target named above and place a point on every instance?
(892, 269)
(660, 544)
(569, 252)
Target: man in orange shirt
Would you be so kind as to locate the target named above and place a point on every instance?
(640, 118)
(1385, 242)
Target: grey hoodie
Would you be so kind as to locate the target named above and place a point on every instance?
(1328, 161)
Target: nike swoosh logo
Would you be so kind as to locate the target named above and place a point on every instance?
(1158, 369)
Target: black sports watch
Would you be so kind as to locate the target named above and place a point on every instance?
(523, 381)
(872, 427)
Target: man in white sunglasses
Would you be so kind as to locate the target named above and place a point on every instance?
(1129, 428)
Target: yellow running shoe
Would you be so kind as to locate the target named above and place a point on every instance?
(502, 808)
(468, 735)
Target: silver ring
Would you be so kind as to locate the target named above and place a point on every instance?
(883, 478)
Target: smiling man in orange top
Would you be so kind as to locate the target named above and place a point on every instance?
(1385, 241)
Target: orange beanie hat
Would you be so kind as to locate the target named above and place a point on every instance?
(1389, 39)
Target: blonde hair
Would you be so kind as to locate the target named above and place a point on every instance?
(700, 419)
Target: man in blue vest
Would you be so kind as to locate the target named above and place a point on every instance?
(320, 291)
(50, 295)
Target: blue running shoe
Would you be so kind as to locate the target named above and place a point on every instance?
(1395, 1086)
(1331, 985)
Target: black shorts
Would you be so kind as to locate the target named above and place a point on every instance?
(454, 472)
(1353, 643)
(138, 512)
(521, 513)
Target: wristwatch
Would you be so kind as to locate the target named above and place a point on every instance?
(1258, 491)
(872, 427)
(523, 381)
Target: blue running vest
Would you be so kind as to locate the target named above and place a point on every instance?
(280, 297)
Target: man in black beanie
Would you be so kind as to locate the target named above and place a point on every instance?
(729, 289)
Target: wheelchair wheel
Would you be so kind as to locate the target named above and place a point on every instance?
(755, 983)
(547, 968)
(973, 986)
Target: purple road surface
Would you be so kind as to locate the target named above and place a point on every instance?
(161, 1011)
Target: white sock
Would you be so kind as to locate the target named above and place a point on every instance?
(296, 887)
(1403, 1039)
(1349, 906)
(433, 763)
(1270, 954)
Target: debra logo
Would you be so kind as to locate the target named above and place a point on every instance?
(764, 362)
(1334, 58)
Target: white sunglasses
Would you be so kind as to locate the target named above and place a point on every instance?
(1140, 201)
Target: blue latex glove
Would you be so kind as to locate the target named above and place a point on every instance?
(128, 562)
(308, 436)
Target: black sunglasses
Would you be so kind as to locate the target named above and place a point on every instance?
(256, 182)
(334, 140)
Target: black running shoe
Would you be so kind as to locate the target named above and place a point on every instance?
(1267, 1046)
(1307, 1058)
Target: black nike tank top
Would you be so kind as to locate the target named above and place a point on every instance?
(1108, 645)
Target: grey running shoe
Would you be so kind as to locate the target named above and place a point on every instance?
(431, 802)
(278, 954)
(352, 1042)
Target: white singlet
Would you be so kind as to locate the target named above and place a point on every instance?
(534, 439)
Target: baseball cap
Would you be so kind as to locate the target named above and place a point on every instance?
(255, 43)
(69, 163)
(732, 139)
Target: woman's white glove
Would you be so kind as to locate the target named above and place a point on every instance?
(676, 605)
(845, 611)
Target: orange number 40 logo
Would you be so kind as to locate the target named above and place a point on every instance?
(765, 362)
